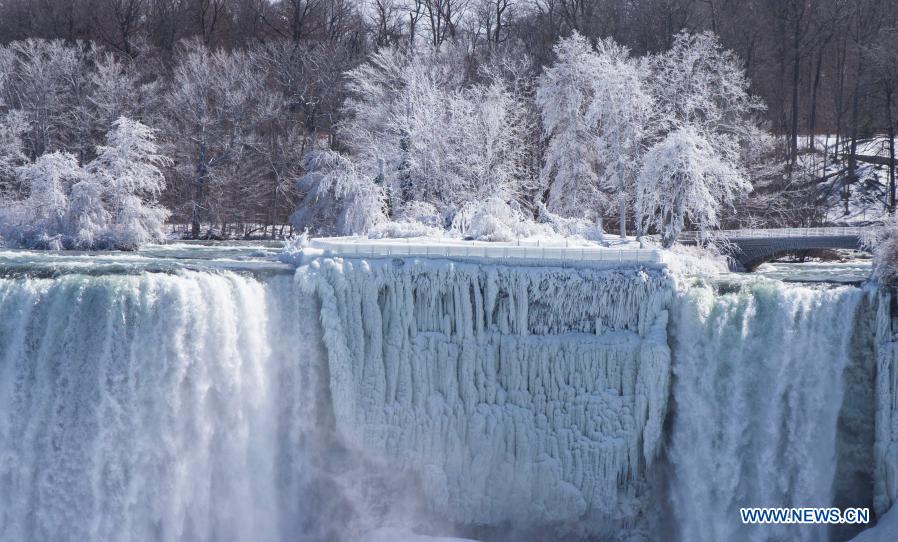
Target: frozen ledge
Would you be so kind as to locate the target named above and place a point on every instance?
(524, 250)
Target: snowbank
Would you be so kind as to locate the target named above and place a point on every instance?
(404, 535)
(539, 252)
(493, 220)
(685, 260)
(886, 529)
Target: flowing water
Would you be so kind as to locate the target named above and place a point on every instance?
(189, 393)
(759, 385)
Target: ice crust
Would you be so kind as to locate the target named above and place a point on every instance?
(532, 395)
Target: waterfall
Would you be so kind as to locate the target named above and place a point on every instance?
(758, 388)
(495, 401)
(152, 407)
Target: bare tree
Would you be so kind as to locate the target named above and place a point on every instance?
(883, 55)
(443, 17)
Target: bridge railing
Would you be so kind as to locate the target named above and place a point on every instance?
(555, 252)
(763, 233)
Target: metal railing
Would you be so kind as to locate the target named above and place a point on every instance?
(482, 250)
(780, 233)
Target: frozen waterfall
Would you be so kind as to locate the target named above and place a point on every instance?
(454, 398)
(527, 395)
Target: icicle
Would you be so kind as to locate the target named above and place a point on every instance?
(540, 392)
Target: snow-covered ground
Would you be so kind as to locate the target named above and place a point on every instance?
(867, 196)
(886, 529)
(613, 254)
(388, 534)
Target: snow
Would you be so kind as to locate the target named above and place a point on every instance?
(387, 534)
(623, 109)
(109, 203)
(886, 529)
(611, 254)
(531, 395)
(415, 132)
(496, 220)
(868, 196)
(564, 95)
(685, 261)
(663, 138)
(686, 177)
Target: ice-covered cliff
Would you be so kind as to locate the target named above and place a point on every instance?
(519, 395)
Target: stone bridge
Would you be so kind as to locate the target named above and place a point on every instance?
(751, 248)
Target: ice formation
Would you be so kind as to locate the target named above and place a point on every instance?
(529, 395)
(423, 397)
(886, 392)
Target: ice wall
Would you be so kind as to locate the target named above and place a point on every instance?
(758, 395)
(886, 447)
(154, 407)
(528, 395)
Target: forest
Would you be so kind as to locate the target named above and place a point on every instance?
(259, 117)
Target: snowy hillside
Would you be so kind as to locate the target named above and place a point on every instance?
(867, 196)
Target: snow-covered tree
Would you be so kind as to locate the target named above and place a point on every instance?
(117, 89)
(701, 83)
(686, 178)
(362, 200)
(564, 95)
(419, 133)
(707, 118)
(40, 220)
(621, 108)
(216, 101)
(489, 151)
(109, 204)
(128, 169)
(12, 126)
(86, 218)
(48, 85)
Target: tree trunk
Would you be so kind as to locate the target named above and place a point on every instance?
(796, 72)
(198, 192)
(852, 156)
(622, 219)
(840, 98)
(812, 116)
(891, 125)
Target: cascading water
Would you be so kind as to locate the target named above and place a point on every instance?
(151, 407)
(758, 389)
(493, 400)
